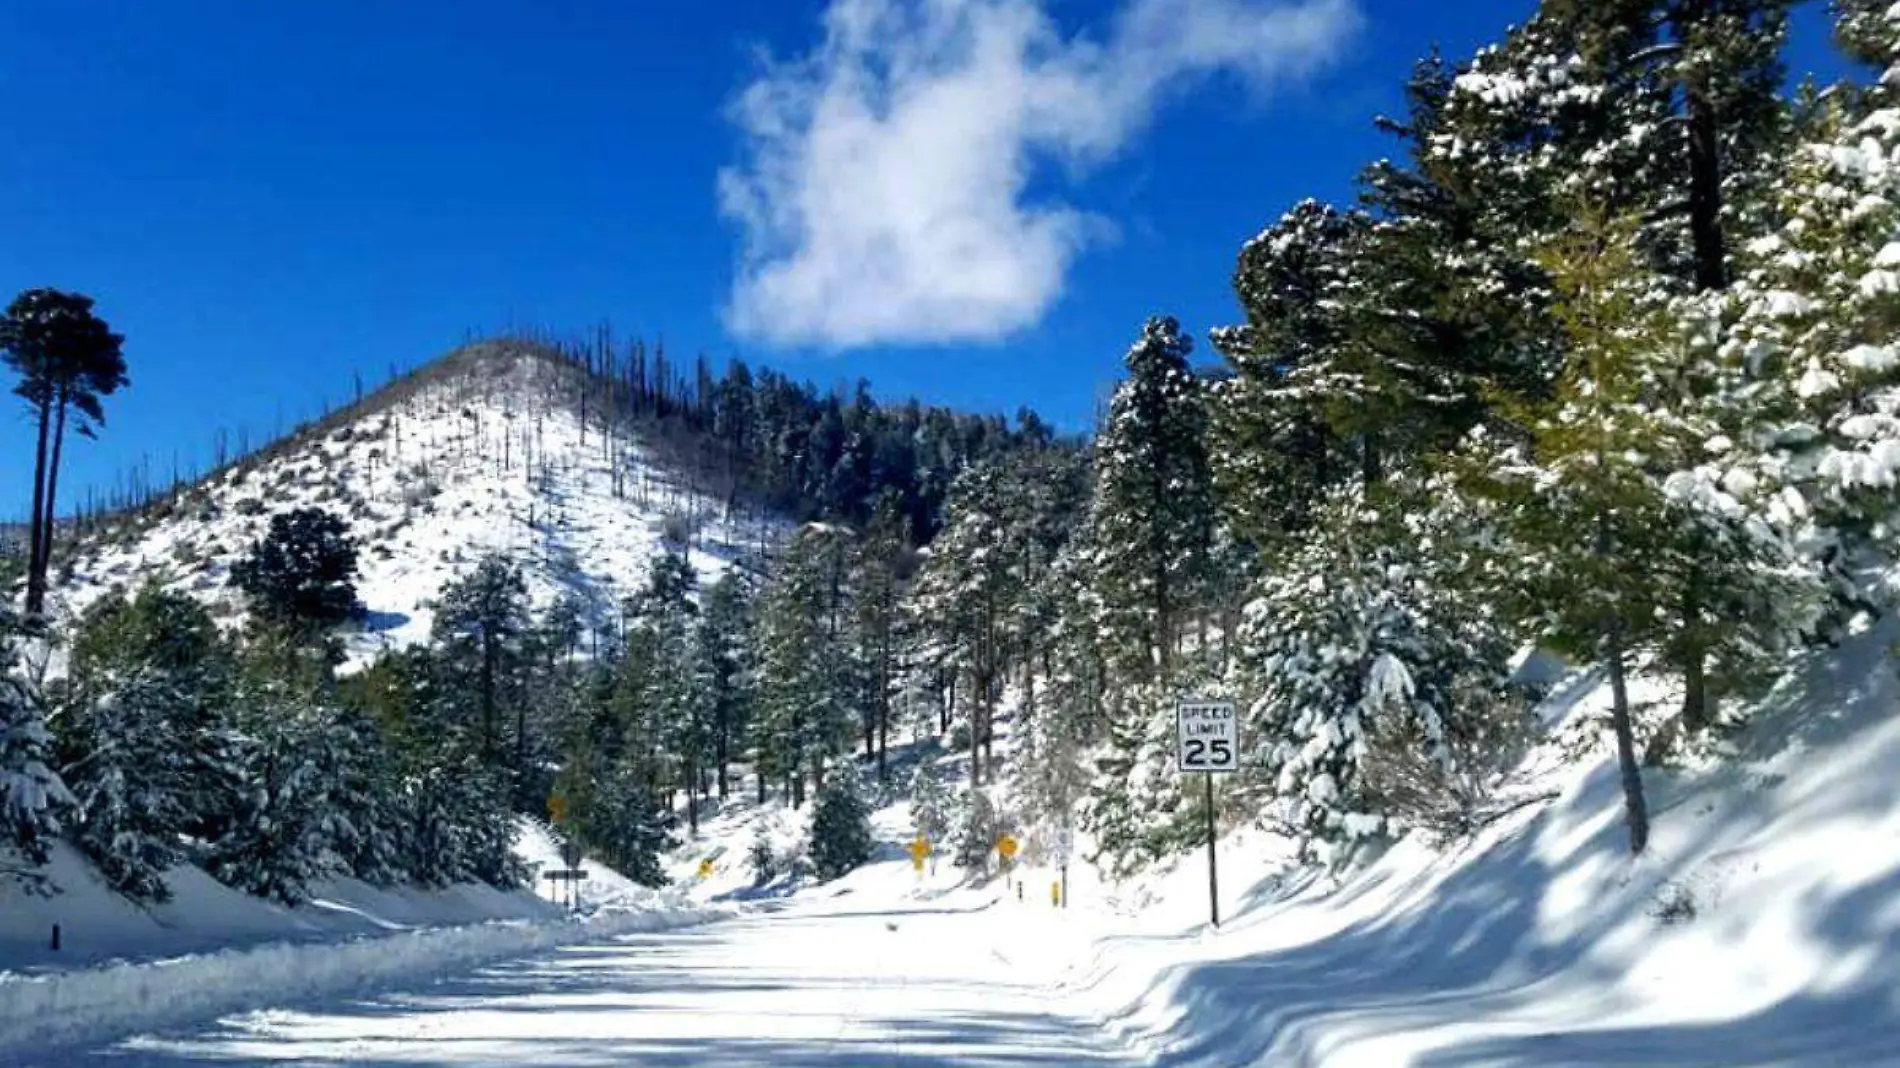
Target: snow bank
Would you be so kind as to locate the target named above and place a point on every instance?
(1762, 926)
(98, 926)
(100, 1004)
(209, 950)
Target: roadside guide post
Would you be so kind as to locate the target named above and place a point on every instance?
(571, 858)
(1064, 847)
(1209, 737)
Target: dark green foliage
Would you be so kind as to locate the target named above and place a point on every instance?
(1154, 502)
(841, 838)
(31, 793)
(303, 572)
(610, 810)
(68, 360)
(481, 620)
(144, 738)
(724, 669)
(816, 455)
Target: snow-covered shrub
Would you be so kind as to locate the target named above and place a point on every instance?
(978, 824)
(1372, 636)
(762, 857)
(930, 803)
(1137, 812)
(841, 825)
(30, 791)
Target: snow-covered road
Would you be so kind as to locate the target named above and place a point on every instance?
(962, 981)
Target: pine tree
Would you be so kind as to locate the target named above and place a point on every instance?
(144, 740)
(1805, 358)
(1273, 453)
(1154, 507)
(965, 594)
(877, 589)
(367, 821)
(68, 360)
(930, 804)
(725, 672)
(809, 681)
(279, 835)
(480, 622)
(1601, 545)
(302, 573)
(1368, 647)
(612, 811)
(841, 837)
(31, 793)
(676, 732)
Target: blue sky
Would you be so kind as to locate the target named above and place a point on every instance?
(976, 207)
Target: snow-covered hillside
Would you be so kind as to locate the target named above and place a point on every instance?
(484, 452)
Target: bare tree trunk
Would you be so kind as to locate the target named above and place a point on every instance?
(692, 801)
(1705, 188)
(52, 495)
(976, 730)
(36, 534)
(1636, 808)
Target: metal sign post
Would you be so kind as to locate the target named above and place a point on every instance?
(1208, 733)
(573, 877)
(1064, 848)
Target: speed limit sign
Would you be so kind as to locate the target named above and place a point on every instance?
(1209, 735)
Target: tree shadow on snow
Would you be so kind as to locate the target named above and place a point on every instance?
(1479, 948)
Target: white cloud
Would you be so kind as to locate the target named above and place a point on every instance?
(882, 195)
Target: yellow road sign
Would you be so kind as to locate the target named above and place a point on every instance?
(706, 868)
(1006, 846)
(919, 850)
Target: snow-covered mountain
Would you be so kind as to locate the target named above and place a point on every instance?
(491, 449)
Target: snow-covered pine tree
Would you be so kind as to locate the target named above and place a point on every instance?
(1054, 770)
(878, 577)
(930, 803)
(673, 739)
(1272, 453)
(143, 738)
(976, 825)
(1154, 504)
(1665, 112)
(366, 819)
(278, 837)
(1810, 364)
(1605, 550)
(302, 573)
(31, 793)
(724, 669)
(611, 809)
(1365, 637)
(841, 837)
(480, 621)
(809, 680)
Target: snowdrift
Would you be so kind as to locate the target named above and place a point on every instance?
(101, 1003)
(1761, 928)
(212, 950)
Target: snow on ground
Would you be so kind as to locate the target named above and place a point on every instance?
(472, 462)
(1761, 929)
(820, 982)
(211, 949)
(203, 915)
